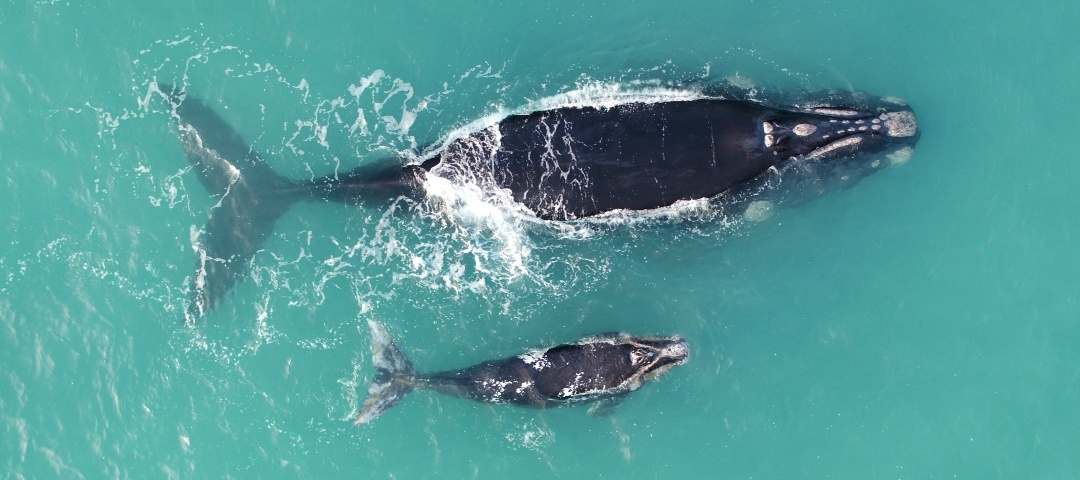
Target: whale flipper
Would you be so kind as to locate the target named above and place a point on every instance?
(250, 198)
(606, 406)
(394, 377)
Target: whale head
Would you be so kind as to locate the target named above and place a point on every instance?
(655, 356)
(831, 142)
(837, 129)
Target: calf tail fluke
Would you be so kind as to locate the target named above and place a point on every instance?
(393, 379)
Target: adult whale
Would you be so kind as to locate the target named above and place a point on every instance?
(563, 163)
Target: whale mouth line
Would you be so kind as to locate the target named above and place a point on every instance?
(837, 112)
(849, 141)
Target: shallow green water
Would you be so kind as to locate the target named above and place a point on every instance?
(922, 324)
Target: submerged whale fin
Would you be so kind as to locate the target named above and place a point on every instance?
(394, 377)
(250, 198)
(606, 406)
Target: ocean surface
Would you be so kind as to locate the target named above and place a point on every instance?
(924, 323)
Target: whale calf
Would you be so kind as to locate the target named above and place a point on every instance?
(563, 163)
(601, 369)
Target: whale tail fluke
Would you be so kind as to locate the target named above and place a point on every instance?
(250, 198)
(394, 376)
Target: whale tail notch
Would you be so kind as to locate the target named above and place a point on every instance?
(394, 376)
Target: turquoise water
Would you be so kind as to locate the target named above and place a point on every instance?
(922, 324)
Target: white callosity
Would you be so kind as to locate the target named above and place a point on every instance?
(899, 124)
